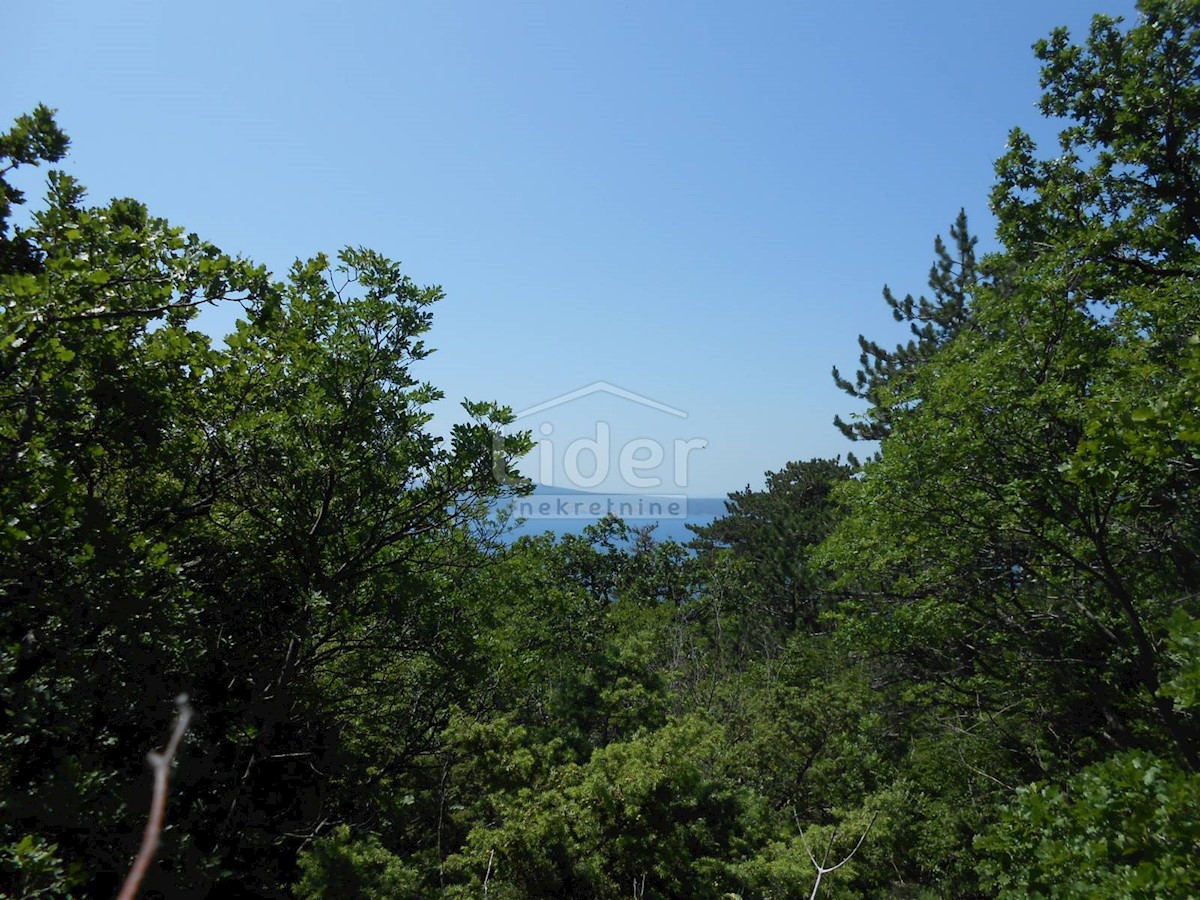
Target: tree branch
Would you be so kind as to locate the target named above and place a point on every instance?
(161, 764)
(822, 869)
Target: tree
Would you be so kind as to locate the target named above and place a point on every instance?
(883, 373)
(1124, 191)
(268, 526)
(35, 138)
(1007, 538)
(1126, 827)
(774, 531)
(660, 810)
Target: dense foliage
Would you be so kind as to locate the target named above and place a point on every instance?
(968, 668)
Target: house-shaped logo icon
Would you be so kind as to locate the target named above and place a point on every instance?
(600, 387)
(591, 457)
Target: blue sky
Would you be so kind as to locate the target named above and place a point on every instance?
(696, 203)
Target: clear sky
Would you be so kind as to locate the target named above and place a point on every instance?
(696, 203)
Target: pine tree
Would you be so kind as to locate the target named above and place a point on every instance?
(952, 279)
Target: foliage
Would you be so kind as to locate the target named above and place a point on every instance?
(774, 532)
(977, 652)
(1127, 827)
(341, 866)
(1007, 536)
(259, 525)
(34, 869)
(953, 280)
(1183, 647)
(653, 808)
(34, 138)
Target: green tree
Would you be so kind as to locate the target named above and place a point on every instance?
(268, 526)
(660, 811)
(35, 138)
(357, 869)
(953, 279)
(993, 545)
(774, 532)
(1124, 828)
(1024, 547)
(1122, 189)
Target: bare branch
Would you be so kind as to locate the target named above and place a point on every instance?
(488, 875)
(161, 764)
(822, 869)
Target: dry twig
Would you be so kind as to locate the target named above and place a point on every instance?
(822, 869)
(161, 764)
